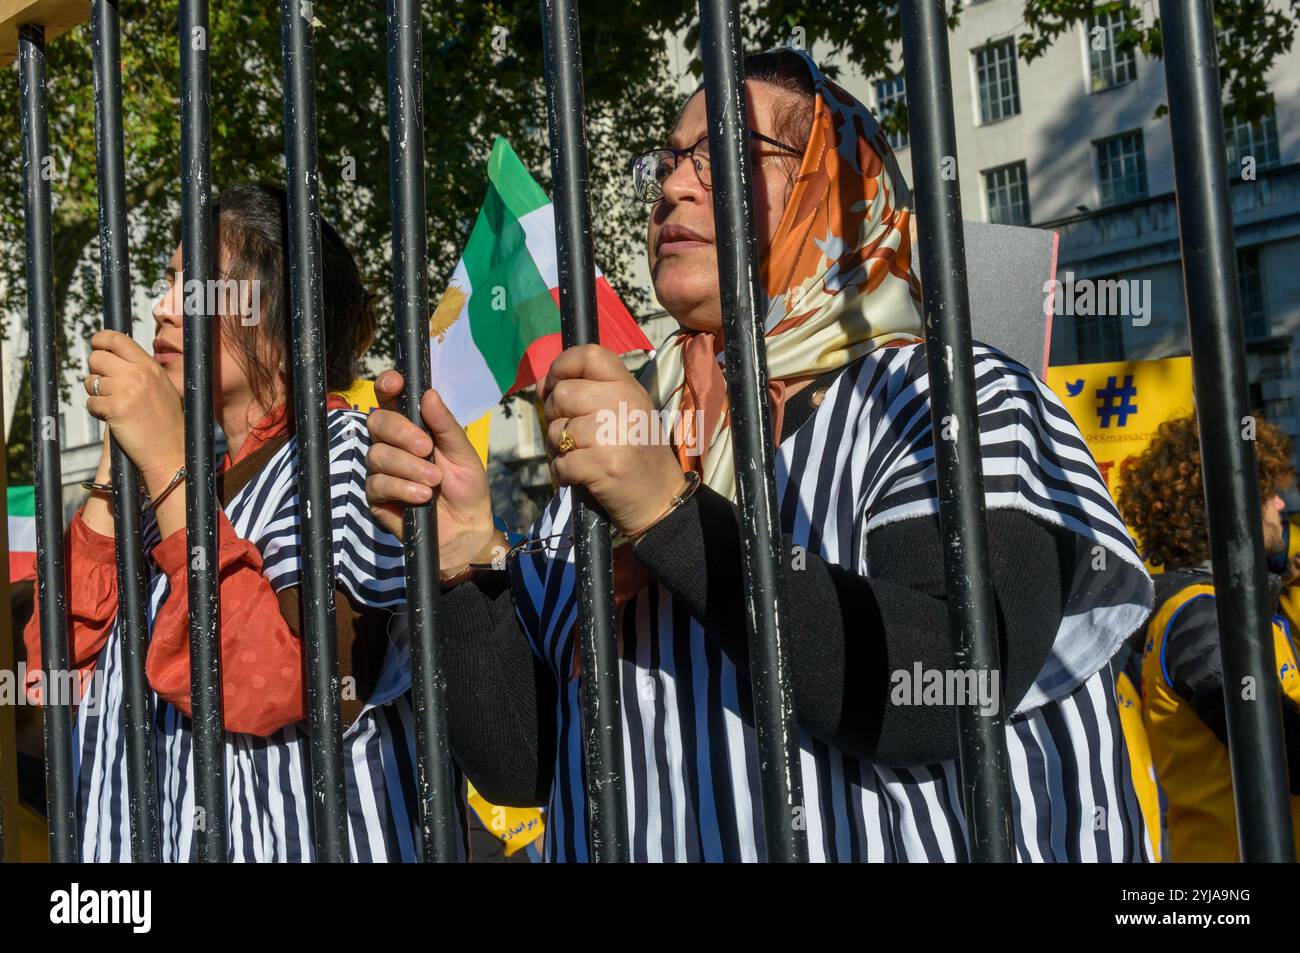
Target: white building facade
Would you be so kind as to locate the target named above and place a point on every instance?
(1071, 142)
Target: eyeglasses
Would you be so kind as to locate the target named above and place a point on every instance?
(650, 169)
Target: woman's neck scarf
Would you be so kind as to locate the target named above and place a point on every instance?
(837, 283)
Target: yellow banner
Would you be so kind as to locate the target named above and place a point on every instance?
(517, 827)
(361, 395)
(1118, 406)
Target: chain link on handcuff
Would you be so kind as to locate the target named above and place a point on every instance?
(540, 544)
(147, 503)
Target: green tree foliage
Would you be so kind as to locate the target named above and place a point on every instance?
(483, 77)
(1253, 34)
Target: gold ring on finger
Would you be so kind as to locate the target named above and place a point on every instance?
(566, 441)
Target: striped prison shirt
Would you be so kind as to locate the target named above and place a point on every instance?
(268, 778)
(862, 460)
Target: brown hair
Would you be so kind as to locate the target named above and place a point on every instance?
(793, 117)
(1160, 494)
(251, 229)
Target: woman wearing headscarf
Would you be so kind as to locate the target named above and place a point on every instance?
(861, 593)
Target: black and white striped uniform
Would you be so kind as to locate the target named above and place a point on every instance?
(268, 779)
(863, 459)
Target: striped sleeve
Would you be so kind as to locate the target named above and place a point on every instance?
(1035, 460)
(368, 560)
(544, 580)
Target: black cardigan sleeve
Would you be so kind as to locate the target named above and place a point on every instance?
(500, 696)
(848, 634)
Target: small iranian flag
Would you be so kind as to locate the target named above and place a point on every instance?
(22, 533)
(497, 327)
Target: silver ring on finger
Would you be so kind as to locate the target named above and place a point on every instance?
(94, 385)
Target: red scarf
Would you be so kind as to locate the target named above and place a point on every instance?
(276, 422)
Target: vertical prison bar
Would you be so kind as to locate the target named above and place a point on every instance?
(137, 701)
(200, 486)
(1228, 465)
(436, 789)
(329, 806)
(954, 416)
(51, 595)
(751, 429)
(8, 713)
(602, 724)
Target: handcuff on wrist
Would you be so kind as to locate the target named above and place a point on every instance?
(499, 557)
(149, 502)
(542, 543)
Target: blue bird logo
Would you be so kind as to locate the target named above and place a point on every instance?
(1074, 388)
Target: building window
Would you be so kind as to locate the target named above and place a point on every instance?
(890, 94)
(1007, 188)
(1121, 168)
(995, 75)
(1098, 338)
(1250, 288)
(1110, 65)
(1255, 139)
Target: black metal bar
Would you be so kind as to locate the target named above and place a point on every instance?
(137, 700)
(312, 430)
(1228, 467)
(751, 429)
(51, 595)
(954, 417)
(603, 728)
(8, 713)
(411, 306)
(200, 482)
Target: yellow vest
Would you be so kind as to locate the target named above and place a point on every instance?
(1139, 759)
(1191, 762)
(1288, 602)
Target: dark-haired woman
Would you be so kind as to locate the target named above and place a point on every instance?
(1180, 666)
(137, 395)
(862, 593)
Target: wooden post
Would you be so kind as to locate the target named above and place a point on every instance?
(57, 16)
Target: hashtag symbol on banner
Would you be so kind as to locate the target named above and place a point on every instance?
(1116, 401)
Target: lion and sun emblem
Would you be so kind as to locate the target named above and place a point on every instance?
(450, 305)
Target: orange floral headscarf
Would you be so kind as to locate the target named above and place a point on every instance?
(837, 282)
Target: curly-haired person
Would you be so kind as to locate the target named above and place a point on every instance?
(1162, 498)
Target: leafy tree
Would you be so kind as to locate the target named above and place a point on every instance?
(19, 449)
(1253, 34)
(483, 76)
